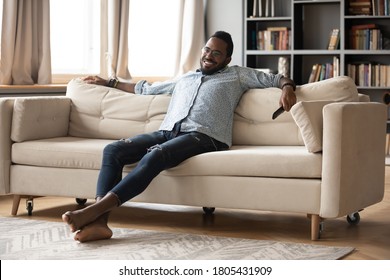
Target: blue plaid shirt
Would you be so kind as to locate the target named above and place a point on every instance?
(206, 103)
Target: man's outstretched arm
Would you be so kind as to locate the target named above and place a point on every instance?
(129, 87)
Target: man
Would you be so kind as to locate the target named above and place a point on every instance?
(199, 120)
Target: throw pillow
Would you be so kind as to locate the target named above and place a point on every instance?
(39, 118)
(308, 116)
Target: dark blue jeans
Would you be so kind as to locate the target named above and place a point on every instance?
(154, 153)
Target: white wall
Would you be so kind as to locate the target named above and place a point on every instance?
(227, 15)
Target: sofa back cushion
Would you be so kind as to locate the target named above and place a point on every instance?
(101, 112)
(253, 119)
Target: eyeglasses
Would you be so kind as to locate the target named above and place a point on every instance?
(214, 53)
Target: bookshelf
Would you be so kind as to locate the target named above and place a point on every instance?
(311, 25)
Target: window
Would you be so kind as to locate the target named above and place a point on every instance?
(75, 37)
(75, 30)
(153, 43)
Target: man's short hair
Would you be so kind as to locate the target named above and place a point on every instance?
(224, 36)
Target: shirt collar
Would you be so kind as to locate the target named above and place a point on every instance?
(219, 71)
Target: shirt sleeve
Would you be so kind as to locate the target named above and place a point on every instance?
(251, 78)
(145, 88)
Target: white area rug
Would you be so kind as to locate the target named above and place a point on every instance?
(34, 240)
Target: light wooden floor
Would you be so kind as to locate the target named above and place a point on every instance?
(371, 237)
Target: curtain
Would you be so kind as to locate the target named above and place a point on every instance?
(191, 36)
(116, 41)
(25, 44)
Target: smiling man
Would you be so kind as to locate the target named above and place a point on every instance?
(212, 59)
(199, 120)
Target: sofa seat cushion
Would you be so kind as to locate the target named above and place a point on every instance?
(249, 161)
(63, 152)
(264, 161)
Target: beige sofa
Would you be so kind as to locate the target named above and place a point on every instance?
(324, 158)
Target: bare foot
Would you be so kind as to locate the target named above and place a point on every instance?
(75, 219)
(96, 230)
(67, 219)
(80, 218)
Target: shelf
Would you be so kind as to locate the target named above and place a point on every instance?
(275, 52)
(317, 52)
(269, 19)
(311, 24)
(316, 1)
(367, 52)
(366, 17)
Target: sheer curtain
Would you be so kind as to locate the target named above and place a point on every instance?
(115, 40)
(191, 36)
(25, 43)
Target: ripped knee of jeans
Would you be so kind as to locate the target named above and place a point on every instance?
(126, 140)
(158, 147)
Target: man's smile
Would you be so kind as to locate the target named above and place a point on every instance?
(208, 63)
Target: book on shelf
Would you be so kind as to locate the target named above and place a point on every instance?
(336, 66)
(369, 74)
(334, 39)
(263, 8)
(313, 73)
(360, 7)
(274, 38)
(257, 9)
(369, 7)
(380, 7)
(269, 8)
(324, 71)
(365, 37)
(254, 9)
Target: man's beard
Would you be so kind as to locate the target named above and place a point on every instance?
(210, 71)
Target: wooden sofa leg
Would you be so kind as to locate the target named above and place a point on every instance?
(15, 205)
(315, 227)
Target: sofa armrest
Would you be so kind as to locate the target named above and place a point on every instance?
(6, 109)
(29, 118)
(40, 117)
(353, 170)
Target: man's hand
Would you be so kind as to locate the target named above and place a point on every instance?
(96, 80)
(288, 98)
